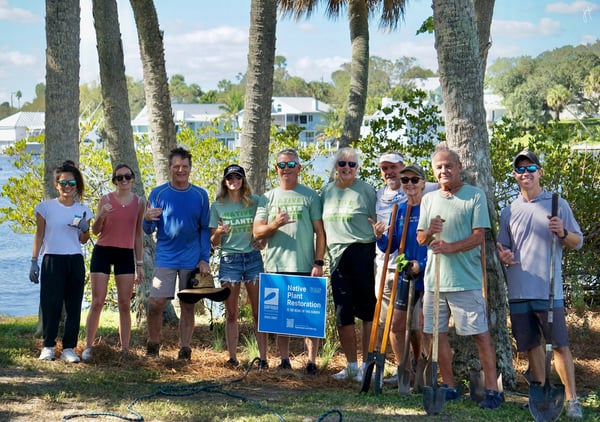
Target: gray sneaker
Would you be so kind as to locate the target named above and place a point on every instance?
(574, 409)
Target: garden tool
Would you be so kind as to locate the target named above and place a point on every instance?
(404, 373)
(546, 401)
(370, 361)
(434, 396)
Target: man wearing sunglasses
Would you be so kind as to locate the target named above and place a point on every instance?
(527, 230)
(291, 221)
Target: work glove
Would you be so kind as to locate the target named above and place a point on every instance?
(83, 224)
(34, 272)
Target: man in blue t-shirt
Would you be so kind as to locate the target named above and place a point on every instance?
(179, 212)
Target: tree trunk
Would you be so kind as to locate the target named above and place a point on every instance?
(254, 149)
(160, 118)
(358, 15)
(461, 73)
(156, 86)
(62, 88)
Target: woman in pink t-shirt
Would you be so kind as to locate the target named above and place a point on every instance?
(120, 245)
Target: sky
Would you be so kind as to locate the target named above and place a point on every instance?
(207, 41)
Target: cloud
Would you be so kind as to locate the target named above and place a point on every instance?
(315, 69)
(524, 29)
(575, 8)
(422, 49)
(588, 39)
(15, 14)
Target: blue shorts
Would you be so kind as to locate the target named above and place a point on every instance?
(240, 267)
(103, 257)
(528, 319)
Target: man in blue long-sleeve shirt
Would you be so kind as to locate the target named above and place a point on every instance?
(179, 212)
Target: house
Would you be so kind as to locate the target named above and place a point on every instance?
(21, 125)
(196, 117)
(306, 112)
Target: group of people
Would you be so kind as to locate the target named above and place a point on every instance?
(291, 229)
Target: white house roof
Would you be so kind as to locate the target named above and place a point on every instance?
(298, 105)
(185, 112)
(25, 119)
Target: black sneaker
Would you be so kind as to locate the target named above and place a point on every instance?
(233, 362)
(310, 369)
(262, 364)
(285, 364)
(152, 349)
(492, 400)
(185, 353)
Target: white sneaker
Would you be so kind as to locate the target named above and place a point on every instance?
(392, 379)
(68, 355)
(349, 373)
(47, 353)
(574, 409)
(87, 354)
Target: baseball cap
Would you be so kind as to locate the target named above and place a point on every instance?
(528, 155)
(391, 157)
(234, 168)
(415, 169)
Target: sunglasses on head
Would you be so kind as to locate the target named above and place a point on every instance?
(530, 169)
(289, 164)
(233, 176)
(120, 177)
(64, 183)
(414, 180)
(351, 164)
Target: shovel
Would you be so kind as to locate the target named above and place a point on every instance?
(372, 354)
(434, 396)
(403, 372)
(546, 401)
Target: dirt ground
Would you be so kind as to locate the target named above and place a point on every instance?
(207, 363)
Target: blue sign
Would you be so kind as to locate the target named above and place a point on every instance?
(292, 304)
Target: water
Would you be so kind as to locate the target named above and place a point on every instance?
(18, 296)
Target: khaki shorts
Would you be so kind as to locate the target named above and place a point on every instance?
(466, 307)
(164, 279)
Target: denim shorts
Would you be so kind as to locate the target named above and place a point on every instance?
(240, 267)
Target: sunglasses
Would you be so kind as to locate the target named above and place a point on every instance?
(233, 176)
(414, 180)
(351, 164)
(289, 164)
(530, 169)
(120, 177)
(64, 183)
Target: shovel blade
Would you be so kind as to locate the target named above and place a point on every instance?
(403, 381)
(546, 401)
(434, 399)
(476, 385)
(366, 381)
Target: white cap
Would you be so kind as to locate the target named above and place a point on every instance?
(391, 157)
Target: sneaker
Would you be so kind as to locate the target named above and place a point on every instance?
(451, 393)
(185, 353)
(87, 354)
(233, 362)
(310, 369)
(573, 409)
(491, 400)
(68, 355)
(152, 349)
(47, 353)
(285, 364)
(349, 373)
(262, 364)
(393, 379)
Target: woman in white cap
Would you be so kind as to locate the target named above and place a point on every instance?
(231, 219)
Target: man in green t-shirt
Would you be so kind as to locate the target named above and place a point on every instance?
(291, 222)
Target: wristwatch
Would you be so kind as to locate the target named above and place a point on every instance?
(319, 262)
(565, 234)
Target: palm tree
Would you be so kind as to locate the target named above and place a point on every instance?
(462, 38)
(62, 87)
(156, 86)
(254, 148)
(358, 15)
(557, 99)
(113, 84)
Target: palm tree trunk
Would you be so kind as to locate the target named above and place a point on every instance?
(461, 63)
(358, 15)
(256, 128)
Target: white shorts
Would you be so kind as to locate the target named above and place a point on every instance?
(467, 308)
